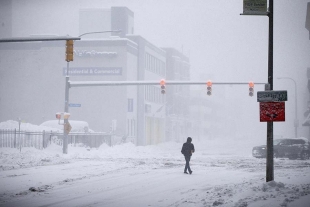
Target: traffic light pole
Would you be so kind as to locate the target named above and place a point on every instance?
(65, 134)
(269, 157)
(250, 8)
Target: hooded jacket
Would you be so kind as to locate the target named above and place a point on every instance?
(187, 149)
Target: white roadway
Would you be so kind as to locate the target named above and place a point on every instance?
(90, 183)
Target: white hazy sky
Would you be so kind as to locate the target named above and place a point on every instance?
(217, 38)
(222, 44)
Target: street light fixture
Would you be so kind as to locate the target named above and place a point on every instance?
(296, 122)
(115, 31)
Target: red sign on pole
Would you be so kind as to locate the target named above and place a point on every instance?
(272, 111)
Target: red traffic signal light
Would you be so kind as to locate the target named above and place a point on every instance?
(251, 88)
(209, 88)
(163, 86)
(162, 82)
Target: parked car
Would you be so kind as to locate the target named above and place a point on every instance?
(77, 126)
(292, 148)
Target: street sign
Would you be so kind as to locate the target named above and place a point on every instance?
(272, 111)
(74, 105)
(269, 96)
(254, 7)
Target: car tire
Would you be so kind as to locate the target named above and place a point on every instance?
(275, 154)
(304, 155)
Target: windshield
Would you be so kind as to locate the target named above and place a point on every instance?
(277, 141)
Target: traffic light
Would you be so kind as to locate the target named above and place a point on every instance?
(251, 88)
(163, 86)
(69, 50)
(209, 88)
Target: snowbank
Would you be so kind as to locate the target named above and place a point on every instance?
(11, 125)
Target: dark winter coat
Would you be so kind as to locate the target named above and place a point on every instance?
(187, 149)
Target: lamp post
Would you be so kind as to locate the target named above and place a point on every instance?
(296, 123)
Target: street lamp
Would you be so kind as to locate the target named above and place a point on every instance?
(296, 122)
(115, 31)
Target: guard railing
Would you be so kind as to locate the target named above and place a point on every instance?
(40, 140)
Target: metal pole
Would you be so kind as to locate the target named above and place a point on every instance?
(65, 139)
(114, 31)
(20, 139)
(296, 122)
(127, 83)
(269, 157)
(296, 118)
(33, 39)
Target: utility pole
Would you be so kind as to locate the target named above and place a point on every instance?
(269, 157)
(258, 7)
(69, 57)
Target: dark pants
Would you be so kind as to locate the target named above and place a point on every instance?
(187, 167)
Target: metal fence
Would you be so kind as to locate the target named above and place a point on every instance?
(40, 140)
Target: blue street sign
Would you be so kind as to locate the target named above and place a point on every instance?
(74, 105)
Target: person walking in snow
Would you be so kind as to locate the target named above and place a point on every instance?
(187, 150)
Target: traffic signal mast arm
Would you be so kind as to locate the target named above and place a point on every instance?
(34, 39)
(119, 83)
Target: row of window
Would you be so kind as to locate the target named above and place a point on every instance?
(131, 127)
(153, 94)
(154, 65)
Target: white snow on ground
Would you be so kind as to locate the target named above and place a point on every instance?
(224, 174)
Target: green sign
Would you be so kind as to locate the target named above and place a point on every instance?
(271, 96)
(255, 7)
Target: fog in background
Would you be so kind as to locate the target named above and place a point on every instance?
(222, 46)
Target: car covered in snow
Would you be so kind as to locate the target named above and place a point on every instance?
(77, 126)
(292, 148)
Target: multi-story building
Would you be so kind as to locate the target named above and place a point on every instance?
(178, 96)
(33, 74)
(151, 116)
(33, 80)
(307, 112)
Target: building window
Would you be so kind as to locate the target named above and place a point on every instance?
(131, 127)
(130, 105)
(153, 94)
(154, 65)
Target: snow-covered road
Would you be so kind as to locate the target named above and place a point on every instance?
(147, 176)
